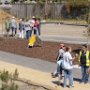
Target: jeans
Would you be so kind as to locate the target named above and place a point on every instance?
(59, 67)
(39, 30)
(68, 74)
(14, 31)
(21, 34)
(85, 74)
(28, 34)
(35, 31)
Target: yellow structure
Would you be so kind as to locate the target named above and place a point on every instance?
(32, 40)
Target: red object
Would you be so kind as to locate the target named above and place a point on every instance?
(36, 23)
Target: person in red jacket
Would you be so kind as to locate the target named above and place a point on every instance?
(35, 27)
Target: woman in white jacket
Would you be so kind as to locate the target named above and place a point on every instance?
(67, 64)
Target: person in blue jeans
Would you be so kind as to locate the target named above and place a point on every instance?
(28, 29)
(68, 72)
(59, 59)
(84, 62)
(85, 74)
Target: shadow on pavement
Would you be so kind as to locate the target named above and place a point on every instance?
(58, 83)
(61, 84)
(77, 79)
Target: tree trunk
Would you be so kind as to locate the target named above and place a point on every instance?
(46, 8)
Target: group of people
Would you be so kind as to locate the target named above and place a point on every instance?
(25, 28)
(65, 63)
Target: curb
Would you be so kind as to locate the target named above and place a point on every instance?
(63, 23)
(29, 82)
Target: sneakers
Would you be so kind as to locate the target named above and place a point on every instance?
(71, 86)
(85, 82)
(68, 86)
(60, 77)
(54, 75)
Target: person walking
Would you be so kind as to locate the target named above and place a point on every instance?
(59, 59)
(36, 27)
(39, 26)
(84, 62)
(13, 25)
(21, 28)
(28, 29)
(32, 21)
(7, 25)
(67, 60)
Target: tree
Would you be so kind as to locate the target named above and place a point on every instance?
(13, 1)
(77, 2)
(46, 6)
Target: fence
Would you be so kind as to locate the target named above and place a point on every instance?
(29, 10)
(54, 11)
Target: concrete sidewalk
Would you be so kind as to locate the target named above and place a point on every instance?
(28, 62)
(37, 70)
(42, 78)
(65, 39)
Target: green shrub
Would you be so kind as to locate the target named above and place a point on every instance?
(8, 80)
(4, 76)
(15, 74)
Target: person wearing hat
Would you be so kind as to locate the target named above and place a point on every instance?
(59, 59)
(35, 25)
(13, 25)
(32, 22)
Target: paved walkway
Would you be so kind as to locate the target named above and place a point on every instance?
(37, 70)
(60, 32)
(27, 62)
(65, 39)
(63, 30)
(64, 33)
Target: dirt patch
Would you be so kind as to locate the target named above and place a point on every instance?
(48, 51)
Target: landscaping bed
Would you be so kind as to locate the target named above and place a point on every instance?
(48, 51)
